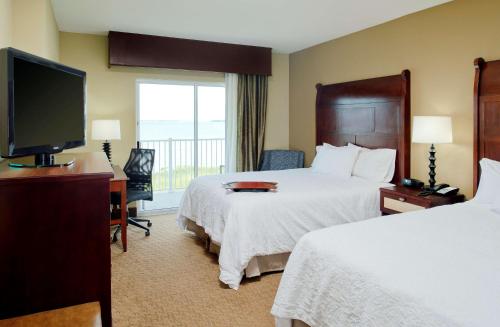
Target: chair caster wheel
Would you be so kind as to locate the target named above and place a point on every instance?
(150, 224)
(147, 233)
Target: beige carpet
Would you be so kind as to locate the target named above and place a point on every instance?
(167, 279)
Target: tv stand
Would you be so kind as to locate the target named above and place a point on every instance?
(43, 160)
(54, 237)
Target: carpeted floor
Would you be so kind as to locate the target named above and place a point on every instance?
(167, 279)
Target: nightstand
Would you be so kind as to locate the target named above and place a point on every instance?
(399, 199)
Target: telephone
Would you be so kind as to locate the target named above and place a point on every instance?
(440, 189)
(450, 190)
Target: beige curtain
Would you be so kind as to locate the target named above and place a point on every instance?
(252, 108)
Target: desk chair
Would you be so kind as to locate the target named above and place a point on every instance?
(281, 159)
(139, 170)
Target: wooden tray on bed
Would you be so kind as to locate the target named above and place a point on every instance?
(249, 186)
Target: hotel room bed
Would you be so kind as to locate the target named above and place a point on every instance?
(437, 267)
(256, 232)
(259, 224)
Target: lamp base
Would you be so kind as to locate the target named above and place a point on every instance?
(106, 147)
(432, 166)
(428, 189)
(425, 192)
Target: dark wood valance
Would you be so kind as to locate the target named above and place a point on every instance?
(139, 50)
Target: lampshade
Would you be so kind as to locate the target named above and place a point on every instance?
(432, 129)
(106, 130)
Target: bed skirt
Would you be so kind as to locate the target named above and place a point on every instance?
(257, 265)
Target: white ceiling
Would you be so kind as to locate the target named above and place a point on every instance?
(284, 25)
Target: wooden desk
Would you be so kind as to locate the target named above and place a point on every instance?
(119, 184)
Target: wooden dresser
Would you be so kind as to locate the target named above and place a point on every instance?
(54, 237)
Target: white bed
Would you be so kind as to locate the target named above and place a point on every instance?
(256, 232)
(247, 225)
(436, 267)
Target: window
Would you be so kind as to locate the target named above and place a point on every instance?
(185, 123)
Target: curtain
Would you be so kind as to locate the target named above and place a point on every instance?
(252, 108)
(231, 81)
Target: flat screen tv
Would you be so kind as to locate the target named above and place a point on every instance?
(42, 106)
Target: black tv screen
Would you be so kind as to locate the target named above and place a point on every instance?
(42, 105)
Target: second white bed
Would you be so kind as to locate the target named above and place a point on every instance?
(247, 225)
(436, 267)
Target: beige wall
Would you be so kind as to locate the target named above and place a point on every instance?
(29, 25)
(5, 23)
(111, 91)
(438, 45)
(34, 28)
(277, 124)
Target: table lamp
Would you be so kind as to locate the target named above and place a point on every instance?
(432, 130)
(106, 130)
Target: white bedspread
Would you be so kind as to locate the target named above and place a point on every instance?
(254, 224)
(438, 267)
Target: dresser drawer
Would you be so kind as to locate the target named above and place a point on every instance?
(400, 204)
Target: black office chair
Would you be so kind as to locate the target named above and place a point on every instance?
(139, 170)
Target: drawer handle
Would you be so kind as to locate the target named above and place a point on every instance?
(402, 199)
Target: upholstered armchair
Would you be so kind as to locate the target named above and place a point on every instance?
(281, 159)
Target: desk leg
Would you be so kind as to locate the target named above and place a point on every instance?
(123, 212)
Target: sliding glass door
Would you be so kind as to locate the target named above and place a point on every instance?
(185, 123)
(211, 129)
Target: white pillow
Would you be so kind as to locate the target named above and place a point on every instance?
(325, 145)
(489, 184)
(335, 161)
(375, 165)
(320, 147)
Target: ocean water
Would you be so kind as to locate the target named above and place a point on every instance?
(165, 129)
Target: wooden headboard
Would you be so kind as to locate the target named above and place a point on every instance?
(373, 113)
(486, 113)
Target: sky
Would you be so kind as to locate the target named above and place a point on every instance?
(176, 102)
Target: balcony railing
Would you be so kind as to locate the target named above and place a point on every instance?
(176, 164)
